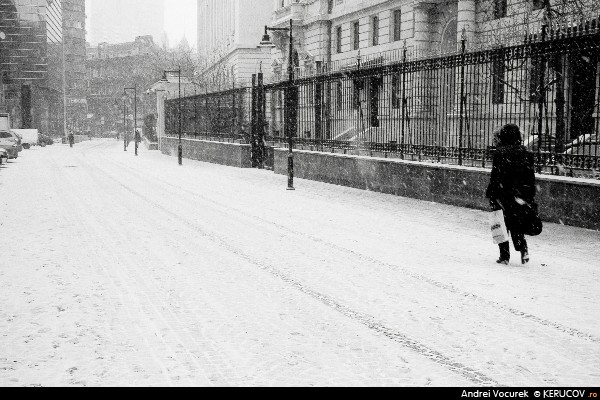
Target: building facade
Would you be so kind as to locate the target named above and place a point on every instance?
(74, 32)
(110, 69)
(229, 32)
(115, 21)
(40, 59)
(412, 79)
(337, 32)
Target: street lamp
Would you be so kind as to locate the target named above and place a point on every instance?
(164, 79)
(289, 124)
(124, 98)
(134, 88)
(2, 37)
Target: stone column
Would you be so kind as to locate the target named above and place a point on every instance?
(421, 36)
(420, 81)
(466, 21)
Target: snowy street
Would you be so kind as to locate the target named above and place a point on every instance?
(118, 270)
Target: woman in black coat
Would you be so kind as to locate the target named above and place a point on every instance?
(512, 188)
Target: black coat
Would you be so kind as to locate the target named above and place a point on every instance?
(512, 184)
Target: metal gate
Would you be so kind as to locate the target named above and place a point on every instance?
(261, 153)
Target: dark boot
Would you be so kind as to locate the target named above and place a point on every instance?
(504, 253)
(521, 246)
(524, 256)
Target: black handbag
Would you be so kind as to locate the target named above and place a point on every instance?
(531, 223)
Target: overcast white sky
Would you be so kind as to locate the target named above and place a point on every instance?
(180, 19)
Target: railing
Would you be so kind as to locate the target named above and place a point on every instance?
(441, 109)
(222, 116)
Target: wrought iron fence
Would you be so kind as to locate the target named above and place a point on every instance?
(220, 116)
(438, 109)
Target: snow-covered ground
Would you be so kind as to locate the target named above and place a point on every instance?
(118, 270)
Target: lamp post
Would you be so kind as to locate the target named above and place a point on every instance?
(134, 88)
(164, 79)
(289, 124)
(124, 97)
(2, 97)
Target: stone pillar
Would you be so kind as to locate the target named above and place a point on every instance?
(419, 81)
(466, 21)
(421, 36)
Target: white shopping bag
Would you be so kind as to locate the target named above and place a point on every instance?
(499, 232)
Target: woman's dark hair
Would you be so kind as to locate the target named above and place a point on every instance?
(510, 134)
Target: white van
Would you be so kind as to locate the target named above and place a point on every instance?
(29, 137)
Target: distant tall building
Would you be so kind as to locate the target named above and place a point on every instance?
(42, 62)
(229, 32)
(117, 21)
(75, 57)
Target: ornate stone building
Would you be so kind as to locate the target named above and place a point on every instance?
(341, 36)
(229, 32)
(337, 32)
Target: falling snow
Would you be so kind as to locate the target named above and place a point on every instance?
(123, 270)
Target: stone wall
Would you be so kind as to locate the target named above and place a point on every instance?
(150, 145)
(563, 200)
(230, 154)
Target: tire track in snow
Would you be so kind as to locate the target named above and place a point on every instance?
(118, 260)
(373, 325)
(573, 332)
(157, 303)
(369, 321)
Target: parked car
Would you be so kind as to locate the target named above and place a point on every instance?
(9, 142)
(587, 145)
(546, 144)
(19, 138)
(45, 140)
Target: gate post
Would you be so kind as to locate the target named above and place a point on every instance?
(542, 94)
(260, 122)
(462, 96)
(253, 119)
(318, 112)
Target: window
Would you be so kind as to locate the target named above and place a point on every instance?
(375, 30)
(356, 88)
(538, 4)
(396, 97)
(397, 28)
(535, 74)
(338, 39)
(498, 72)
(355, 35)
(500, 8)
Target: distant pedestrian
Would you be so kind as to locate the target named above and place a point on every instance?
(71, 139)
(512, 189)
